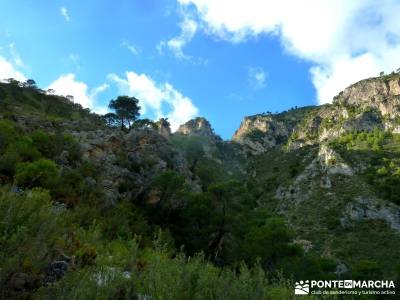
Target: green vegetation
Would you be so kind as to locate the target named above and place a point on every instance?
(33, 233)
(19, 104)
(59, 239)
(354, 244)
(316, 219)
(126, 110)
(209, 161)
(379, 152)
(256, 135)
(200, 221)
(41, 173)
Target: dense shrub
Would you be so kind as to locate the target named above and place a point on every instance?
(23, 149)
(379, 152)
(29, 230)
(7, 134)
(270, 241)
(363, 140)
(71, 187)
(169, 189)
(41, 173)
(191, 146)
(125, 221)
(168, 279)
(91, 283)
(366, 270)
(19, 150)
(51, 145)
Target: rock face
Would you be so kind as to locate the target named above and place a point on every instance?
(382, 93)
(262, 132)
(134, 158)
(163, 127)
(57, 270)
(332, 188)
(364, 106)
(318, 173)
(331, 162)
(366, 208)
(198, 127)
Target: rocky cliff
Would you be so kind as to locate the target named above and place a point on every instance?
(198, 127)
(381, 93)
(133, 159)
(364, 106)
(342, 166)
(262, 132)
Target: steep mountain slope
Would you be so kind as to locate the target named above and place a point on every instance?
(335, 172)
(312, 192)
(95, 212)
(368, 104)
(262, 132)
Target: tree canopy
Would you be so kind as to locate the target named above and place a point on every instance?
(126, 108)
(111, 119)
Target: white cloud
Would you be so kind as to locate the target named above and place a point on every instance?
(344, 40)
(7, 70)
(153, 96)
(98, 90)
(182, 107)
(11, 66)
(257, 77)
(101, 110)
(15, 56)
(332, 78)
(67, 85)
(64, 13)
(133, 49)
(188, 29)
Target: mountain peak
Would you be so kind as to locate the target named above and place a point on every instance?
(198, 126)
(378, 92)
(263, 131)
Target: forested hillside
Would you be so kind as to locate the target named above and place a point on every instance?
(92, 207)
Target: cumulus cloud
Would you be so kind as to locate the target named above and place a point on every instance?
(188, 29)
(67, 85)
(257, 77)
(7, 70)
(154, 96)
(98, 90)
(64, 13)
(345, 41)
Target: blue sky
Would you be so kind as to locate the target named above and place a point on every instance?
(183, 58)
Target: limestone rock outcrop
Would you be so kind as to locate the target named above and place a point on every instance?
(199, 127)
(382, 94)
(261, 132)
(364, 106)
